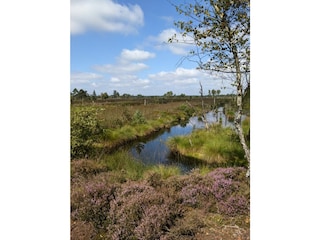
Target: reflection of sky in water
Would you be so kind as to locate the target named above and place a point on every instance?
(155, 151)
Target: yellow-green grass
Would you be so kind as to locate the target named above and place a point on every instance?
(217, 146)
(163, 171)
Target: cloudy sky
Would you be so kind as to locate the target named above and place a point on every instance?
(122, 45)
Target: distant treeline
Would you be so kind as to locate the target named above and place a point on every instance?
(82, 96)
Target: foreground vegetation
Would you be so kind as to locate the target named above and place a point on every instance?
(120, 198)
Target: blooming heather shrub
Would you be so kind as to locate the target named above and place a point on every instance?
(223, 187)
(153, 220)
(154, 179)
(155, 208)
(91, 202)
(230, 172)
(186, 227)
(82, 230)
(192, 194)
(141, 212)
(234, 205)
(86, 167)
(220, 188)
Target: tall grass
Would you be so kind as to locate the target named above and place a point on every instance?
(164, 172)
(217, 146)
(121, 163)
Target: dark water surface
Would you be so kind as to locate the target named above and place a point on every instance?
(155, 151)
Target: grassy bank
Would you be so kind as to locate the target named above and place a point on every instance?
(216, 146)
(97, 128)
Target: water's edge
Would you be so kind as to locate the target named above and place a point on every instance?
(153, 150)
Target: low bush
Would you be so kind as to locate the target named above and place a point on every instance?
(141, 212)
(81, 230)
(157, 206)
(222, 186)
(86, 167)
(90, 201)
(85, 130)
(138, 118)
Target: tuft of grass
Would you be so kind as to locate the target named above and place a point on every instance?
(163, 171)
(203, 169)
(123, 164)
(217, 145)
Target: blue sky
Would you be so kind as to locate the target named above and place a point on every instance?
(122, 45)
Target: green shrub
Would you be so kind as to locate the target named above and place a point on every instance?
(186, 109)
(138, 118)
(85, 130)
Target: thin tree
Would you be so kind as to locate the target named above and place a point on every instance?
(220, 31)
(203, 117)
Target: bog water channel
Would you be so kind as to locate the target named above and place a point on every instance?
(154, 151)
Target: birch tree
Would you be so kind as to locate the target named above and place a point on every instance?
(220, 31)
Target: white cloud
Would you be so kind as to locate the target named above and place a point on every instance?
(181, 76)
(84, 77)
(128, 83)
(124, 71)
(135, 55)
(180, 48)
(121, 68)
(104, 15)
(114, 79)
(128, 62)
(186, 81)
(168, 19)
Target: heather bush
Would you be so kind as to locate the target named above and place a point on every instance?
(153, 208)
(141, 212)
(90, 201)
(154, 179)
(219, 189)
(234, 205)
(186, 227)
(82, 230)
(86, 167)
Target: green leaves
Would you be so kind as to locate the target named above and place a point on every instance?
(220, 28)
(85, 129)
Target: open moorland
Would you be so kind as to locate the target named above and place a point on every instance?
(115, 196)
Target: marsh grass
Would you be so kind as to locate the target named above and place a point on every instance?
(163, 171)
(122, 163)
(217, 145)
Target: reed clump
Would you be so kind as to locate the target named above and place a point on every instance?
(217, 146)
